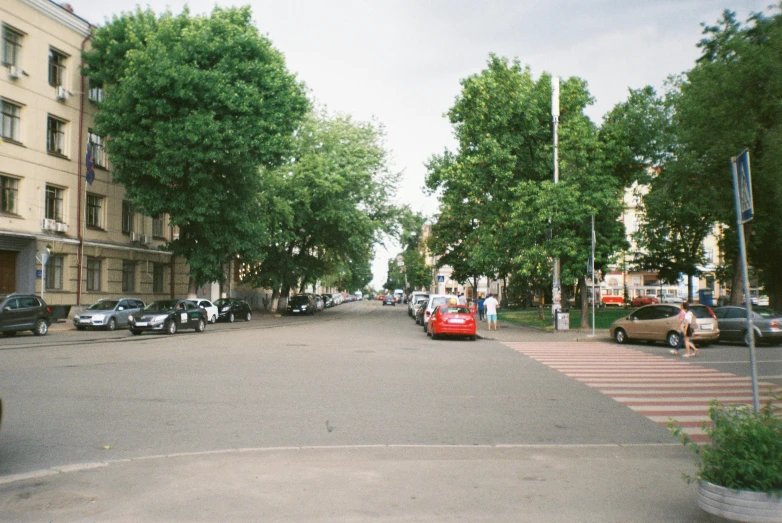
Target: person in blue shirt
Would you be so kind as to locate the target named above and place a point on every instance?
(480, 307)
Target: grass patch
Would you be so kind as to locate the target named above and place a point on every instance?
(531, 317)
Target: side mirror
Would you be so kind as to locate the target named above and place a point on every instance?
(6, 308)
(120, 308)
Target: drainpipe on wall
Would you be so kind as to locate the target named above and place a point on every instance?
(79, 224)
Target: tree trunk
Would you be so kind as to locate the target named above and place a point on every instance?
(275, 298)
(737, 282)
(191, 289)
(582, 287)
(689, 288)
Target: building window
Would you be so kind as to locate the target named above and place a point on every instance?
(708, 255)
(93, 274)
(95, 93)
(128, 276)
(12, 47)
(157, 226)
(95, 144)
(54, 203)
(157, 277)
(128, 217)
(55, 136)
(11, 121)
(95, 211)
(54, 273)
(9, 194)
(56, 68)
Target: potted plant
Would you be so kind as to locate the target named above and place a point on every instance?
(739, 470)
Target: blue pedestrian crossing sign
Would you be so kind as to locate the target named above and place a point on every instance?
(746, 207)
(440, 279)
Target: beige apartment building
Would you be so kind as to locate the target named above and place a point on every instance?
(100, 246)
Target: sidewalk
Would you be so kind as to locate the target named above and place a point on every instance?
(507, 331)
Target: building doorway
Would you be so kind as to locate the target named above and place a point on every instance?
(8, 272)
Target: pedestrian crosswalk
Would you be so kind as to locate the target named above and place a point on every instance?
(657, 387)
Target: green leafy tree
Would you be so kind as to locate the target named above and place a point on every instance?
(193, 107)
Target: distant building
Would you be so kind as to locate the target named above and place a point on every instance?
(100, 245)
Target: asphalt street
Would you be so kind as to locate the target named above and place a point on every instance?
(350, 415)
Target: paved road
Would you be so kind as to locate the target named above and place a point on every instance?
(351, 415)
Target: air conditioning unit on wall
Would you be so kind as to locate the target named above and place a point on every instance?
(48, 224)
(14, 72)
(146, 239)
(62, 227)
(135, 237)
(62, 93)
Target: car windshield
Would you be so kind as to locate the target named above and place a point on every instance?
(765, 312)
(701, 311)
(161, 306)
(223, 301)
(453, 309)
(103, 305)
(299, 300)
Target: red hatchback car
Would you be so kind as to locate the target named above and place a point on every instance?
(452, 319)
(640, 301)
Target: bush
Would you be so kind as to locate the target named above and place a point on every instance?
(744, 451)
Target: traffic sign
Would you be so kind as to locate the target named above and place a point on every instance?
(440, 279)
(744, 186)
(43, 254)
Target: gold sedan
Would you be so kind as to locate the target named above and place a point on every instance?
(659, 323)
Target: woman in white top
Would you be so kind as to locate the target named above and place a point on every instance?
(688, 327)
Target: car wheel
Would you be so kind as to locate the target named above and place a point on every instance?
(213, 319)
(171, 327)
(746, 339)
(112, 326)
(201, 326)
(135, 332)
(231, 317)
(80, 328)
(673, 339)
(248, 316)
(41, 327)
(620, 336)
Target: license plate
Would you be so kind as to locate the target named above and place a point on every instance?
(457, 320)
(141, 324)
(707, 327)
(85, 320)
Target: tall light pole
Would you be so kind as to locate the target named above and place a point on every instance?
(556, 290)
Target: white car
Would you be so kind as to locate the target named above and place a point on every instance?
(210, 309)
(431, 305)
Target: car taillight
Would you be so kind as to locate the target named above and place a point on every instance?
(712, 313)
(774, 324)
(49, 310)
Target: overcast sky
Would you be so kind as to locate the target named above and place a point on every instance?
(400, 61)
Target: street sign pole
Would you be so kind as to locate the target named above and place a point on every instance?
(556, 290)
(594, 298)
(742, 192)
(43, 256)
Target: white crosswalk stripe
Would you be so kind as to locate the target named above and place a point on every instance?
(659, 388)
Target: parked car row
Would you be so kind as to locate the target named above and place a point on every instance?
(441, 315)
(21, 312)
(309, 303)
(729, 323)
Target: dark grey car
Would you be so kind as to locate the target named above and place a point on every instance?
(733, 324)
(24, 312)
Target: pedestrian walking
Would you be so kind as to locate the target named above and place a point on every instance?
(682, 329)
(689, 330)
(473, 308)
(491, 304)
(480, 307)
(462, 299)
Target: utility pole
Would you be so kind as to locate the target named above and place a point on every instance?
(556, 290)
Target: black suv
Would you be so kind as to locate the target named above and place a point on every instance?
(24, 312)
(301, 304)
(231, 308)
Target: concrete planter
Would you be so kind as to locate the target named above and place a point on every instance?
(739, 505)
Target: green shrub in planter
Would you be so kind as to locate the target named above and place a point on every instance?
(744, 451)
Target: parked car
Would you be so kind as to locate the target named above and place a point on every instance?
(671, 298)
(432, 303)
(107, 313)
(414, 296)
(416, 306)
(232, 308)
(24, 312)
(452, 320)
(659, 322)
(168, 316)
(733, 324)
(301, 304)
(319, 303)
(640, 301)
(328, 301)
(389, 299)
(211, 309)
(381, 297)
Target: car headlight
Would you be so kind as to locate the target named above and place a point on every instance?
(99, 317)
(304, 307)
(225, 309)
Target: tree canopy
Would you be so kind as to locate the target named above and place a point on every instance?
(194, 106)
